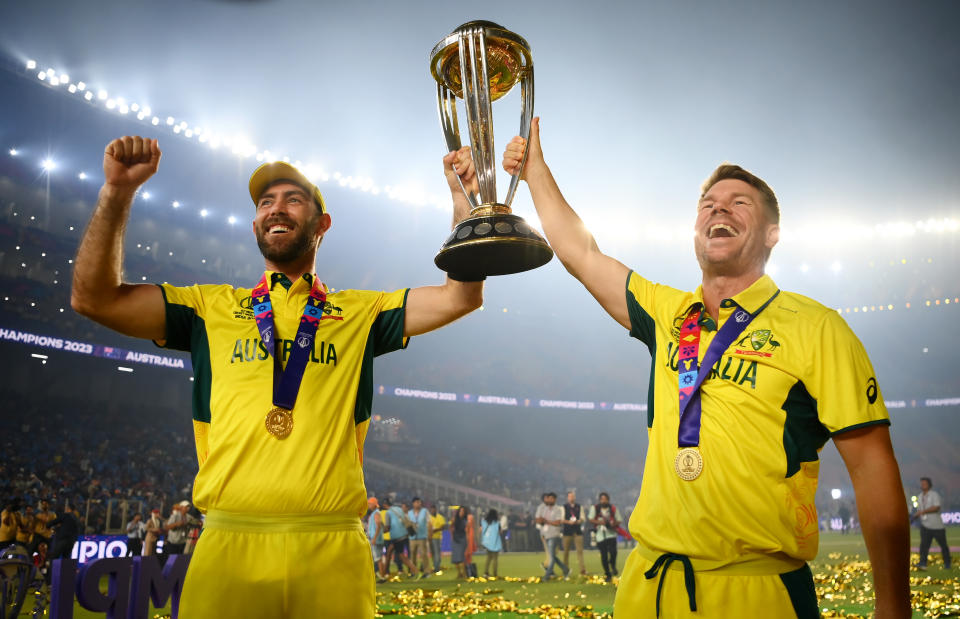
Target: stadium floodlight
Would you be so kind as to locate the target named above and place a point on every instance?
(204, 212)
(72, 88)
(111, 104)
(154, 121)
(82, 176)
(188, 133)
(124, 108)
(42, 75)
(64, 78)
(169, 120)
(54, 80)
(48, 164)
(88, 95)
(51, 72)
(121, 368)
(176, 204)
(81, 86)
(147, 110)
(31, 64)
(141, 115)
(836, 266)
(231, 220)
(134, 107)
(835, 493)
(176, 129)
(102, 94)
(146, 195)
(14, 152)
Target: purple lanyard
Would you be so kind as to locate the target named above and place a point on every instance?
(286, 382)
(691, 374)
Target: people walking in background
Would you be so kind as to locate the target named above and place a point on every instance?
(471, 544)
(66, 531)
(573, 518)
(931, 524)
(550, 519)
(603, 516)
(437, 523)
(136, 530)
(490, 539)
(419, 543)
(458, 541)
(154, 529)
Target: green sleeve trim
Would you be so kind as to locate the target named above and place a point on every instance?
(179, 324)
(857, 426)
(803, 433)
(387, 329)
(642, 325)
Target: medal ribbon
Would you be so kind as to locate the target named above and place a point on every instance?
(691, 374)
(286, 382)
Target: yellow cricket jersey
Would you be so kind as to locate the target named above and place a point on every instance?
(438, 522)
(793, 378)
(318, 467)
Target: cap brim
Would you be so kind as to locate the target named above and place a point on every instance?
(274, 171)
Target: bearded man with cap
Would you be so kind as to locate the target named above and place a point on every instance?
(282, 390)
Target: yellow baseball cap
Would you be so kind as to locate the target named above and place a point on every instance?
(274, 171)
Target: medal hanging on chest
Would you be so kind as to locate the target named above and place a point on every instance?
(688, 462)
(286, 380)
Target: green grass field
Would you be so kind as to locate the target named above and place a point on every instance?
(840, 570)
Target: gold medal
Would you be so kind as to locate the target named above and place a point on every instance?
(688, 464)
(279, 422)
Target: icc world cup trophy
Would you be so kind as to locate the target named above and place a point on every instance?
(481, 62)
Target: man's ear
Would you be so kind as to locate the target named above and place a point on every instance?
(773, 236)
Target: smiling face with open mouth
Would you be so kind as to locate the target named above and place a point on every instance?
(286, 223)
(733, 232)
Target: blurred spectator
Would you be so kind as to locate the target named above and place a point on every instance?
(490, 539)
(136, 531)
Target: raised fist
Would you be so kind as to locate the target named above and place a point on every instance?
(129, 161)
(460, 163)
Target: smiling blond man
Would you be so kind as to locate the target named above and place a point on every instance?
(747, 384)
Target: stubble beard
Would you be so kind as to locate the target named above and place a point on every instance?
(288, 252)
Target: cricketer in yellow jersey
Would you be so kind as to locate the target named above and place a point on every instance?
(725, 521)
(282, 390)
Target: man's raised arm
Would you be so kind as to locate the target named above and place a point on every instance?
(576, 248)
(99, 292)
(431, 307)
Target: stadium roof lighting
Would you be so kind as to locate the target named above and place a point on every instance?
(82, 176)
(31, 64)
(204, 212)
(64, 78)
(111, 104)
(38, 356)
(72, 88)
(102, 95)
(146, 195)
(42, 75)
(176, 204)
(169, 120)
(154, 121)
(48, 164)
(231, 220)
(836, 266)
(81, 86)
(134, 107)
(835, 493)
(13, 152)
(88, 95)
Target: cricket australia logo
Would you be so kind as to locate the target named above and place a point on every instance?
(761, 341)
(332, 312)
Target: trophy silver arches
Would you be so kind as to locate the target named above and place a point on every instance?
(480, 62)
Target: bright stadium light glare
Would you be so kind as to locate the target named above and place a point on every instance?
(72, 88)
(48, 164)
(64, 78)
(154, 121)
(835, 493)
(13, 152)
(31, 64)
(146, 195)
(169, 120)
(42, 75)
(134, 107)
(804, 267)
(124, 108)
(82, 176)
(231, 220)
(88, 95)
(54, 80)
(81, 86)
(176, 204)
(111, 104)
(836, 266)
(204, 212)
(102, 95)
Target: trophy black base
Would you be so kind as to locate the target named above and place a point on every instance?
(498, 244)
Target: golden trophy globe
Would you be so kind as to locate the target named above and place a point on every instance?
(480, 62)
